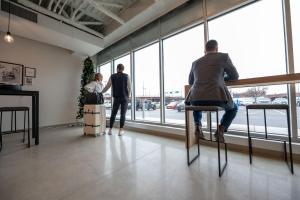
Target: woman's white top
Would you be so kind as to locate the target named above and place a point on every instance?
(94, 86)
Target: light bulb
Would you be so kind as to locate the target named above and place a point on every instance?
(8, 38)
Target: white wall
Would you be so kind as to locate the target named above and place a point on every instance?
(57, 79)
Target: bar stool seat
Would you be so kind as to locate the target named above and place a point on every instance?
(209, 109)
(265, 107)
(268, 106)
(14, 111)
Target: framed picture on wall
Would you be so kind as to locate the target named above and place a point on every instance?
(27, 81)
(30, 72)
(11, 73)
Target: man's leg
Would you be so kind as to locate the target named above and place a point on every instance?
(114, 112)
(197, 120)
(229, 115)
(227, 118)
(197, 117)
(124, 105)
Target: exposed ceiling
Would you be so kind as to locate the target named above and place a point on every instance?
(82, 26)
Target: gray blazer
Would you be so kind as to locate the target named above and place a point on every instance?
(208, 76)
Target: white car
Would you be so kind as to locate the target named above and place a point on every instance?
(246, 101)
(263, 100)
(280, 101)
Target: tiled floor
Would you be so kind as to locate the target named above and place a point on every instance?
(69, 166)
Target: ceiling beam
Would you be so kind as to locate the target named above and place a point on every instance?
(88, 11)
(110, 4)
(45, 11)
(62, 7)
(90, 23)
(79, 16)
(106, 11)
(50, 4)
(77, 10)
(57, 4)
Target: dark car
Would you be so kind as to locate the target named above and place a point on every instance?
(148, 105)
(180, 106)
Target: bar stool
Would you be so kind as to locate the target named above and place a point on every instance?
(265, 107)
(14, 111)
(209, 109)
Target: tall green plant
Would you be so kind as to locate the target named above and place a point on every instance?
(87, 76)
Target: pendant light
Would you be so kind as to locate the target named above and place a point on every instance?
(8, 37)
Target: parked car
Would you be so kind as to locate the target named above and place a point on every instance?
(157, 104)
(172, 105)
(180, 106)
(280, 101)
(148, 105)
(107, 104)
(298, 101)
(263, 100)
(246, 101)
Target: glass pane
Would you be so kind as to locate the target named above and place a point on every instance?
(254, 38)
(276, 119)
(105, 70)
(179, 53)
(147, 83)
(125, 60)
(295, 14)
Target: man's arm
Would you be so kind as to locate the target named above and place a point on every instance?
(191, 76)
(231, 72)
(129, 86)
(108, 85)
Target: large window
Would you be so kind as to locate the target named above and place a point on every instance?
(105, 70)
(125, 60)
(147, 88)
(276, 119)
(295, 14)
(254, 38)
(179, 53)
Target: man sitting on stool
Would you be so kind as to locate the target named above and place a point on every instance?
(207, 80)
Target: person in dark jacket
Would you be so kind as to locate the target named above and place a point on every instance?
(121, 90)
(207, 80)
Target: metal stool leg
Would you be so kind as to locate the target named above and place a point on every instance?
(11, 121)
(249, 138)
(210, 127)
(24, 128)
(221, 169)
(284, 151)
(218, 141)
(15, 121)
(189, 162)
(0, 131)
(28, 128)
(290, 142)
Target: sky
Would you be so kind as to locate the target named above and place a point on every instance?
(253, 36)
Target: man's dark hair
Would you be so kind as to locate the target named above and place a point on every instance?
(211, 45)
(120, 67)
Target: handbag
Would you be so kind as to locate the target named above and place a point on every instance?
(94, 98)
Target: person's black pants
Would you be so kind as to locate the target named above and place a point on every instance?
(117, 103)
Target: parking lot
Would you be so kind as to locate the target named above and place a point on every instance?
(276, 119)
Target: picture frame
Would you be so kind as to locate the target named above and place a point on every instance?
(27, 81)
(11, 73)
(30, 72)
